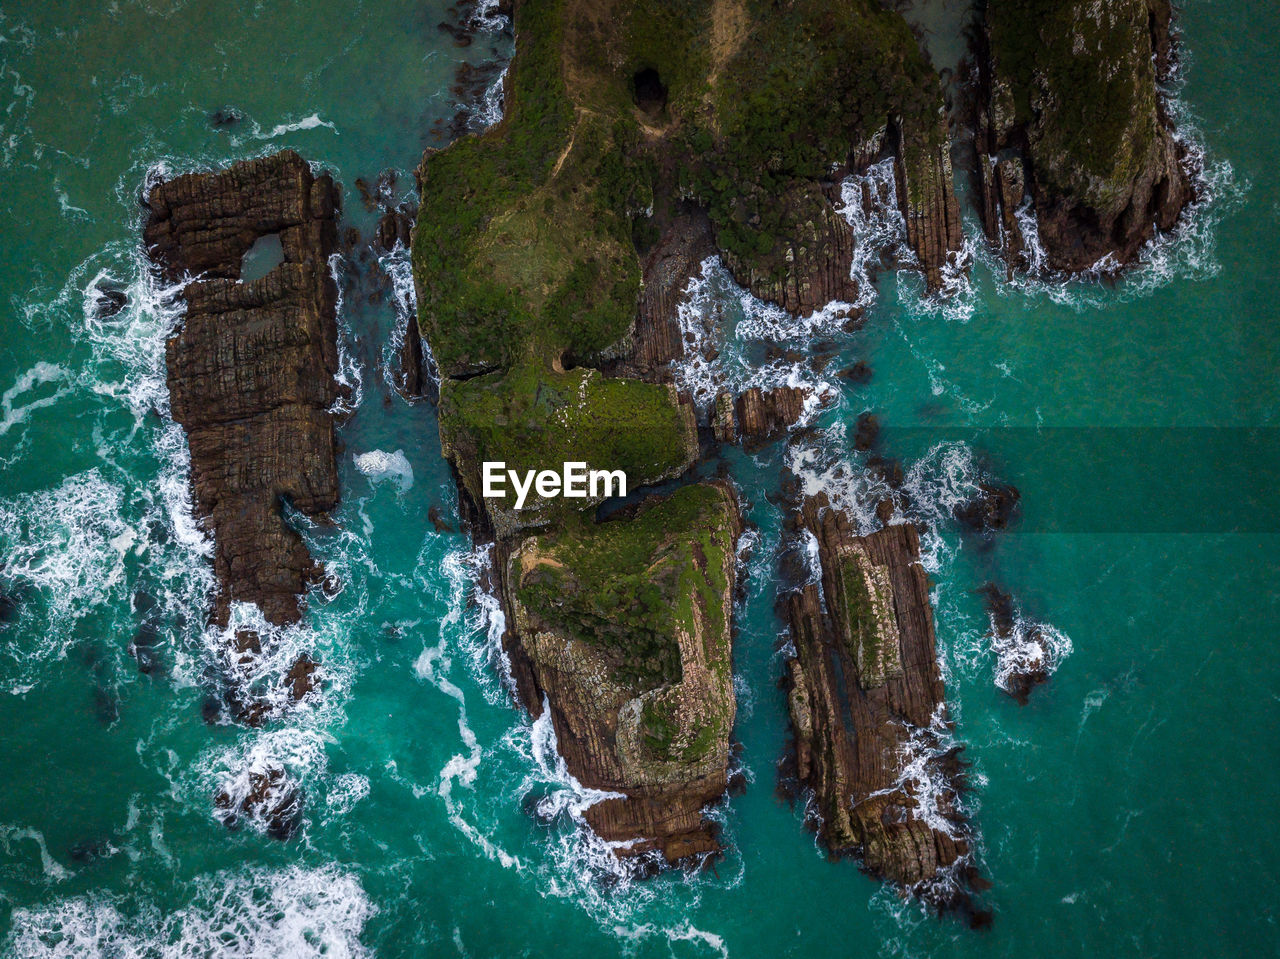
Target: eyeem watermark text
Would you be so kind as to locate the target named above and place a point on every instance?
(574, 481)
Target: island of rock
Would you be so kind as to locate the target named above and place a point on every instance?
(1069, 119)
(868, 711)
(251, 375)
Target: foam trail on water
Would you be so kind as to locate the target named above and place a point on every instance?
(379, 465)
(39, 375)
(296, 912)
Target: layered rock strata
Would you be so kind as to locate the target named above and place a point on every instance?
(868, 711)
(251, 375)
(758, 416)
(622, 631)
(1070, 120)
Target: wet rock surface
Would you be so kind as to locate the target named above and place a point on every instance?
(868, 712)
(646, 717)
(1069, 116)
(251, 376)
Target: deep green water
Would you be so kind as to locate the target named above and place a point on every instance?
(1125, 812)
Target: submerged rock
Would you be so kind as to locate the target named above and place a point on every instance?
(267, 797)
(992, 508)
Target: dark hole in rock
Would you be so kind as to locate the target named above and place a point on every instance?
(260, 259)
(651, 94)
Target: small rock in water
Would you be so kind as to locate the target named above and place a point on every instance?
(108, 301)
(224, 117)
(859, 373)
(867, 432)
(992, 508)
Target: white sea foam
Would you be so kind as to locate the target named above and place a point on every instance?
(312, 122)
(69, 543)
(389, 467)
(293, 912)
(721, 323)
(489, 111)
(347, 790)
(41, 374)
(1031, 647)
(870, 206)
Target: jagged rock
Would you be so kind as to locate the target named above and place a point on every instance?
(1023, 649)
(301, 677)
(724, 422)
(666, 271)
(926, 194)
(992, 508)
(764, 415)
(413, 381)
(251, 371)
(638, 683)
(1069, 113)
(108, 300)
(866, 698)
(811, 263)
(394, 226)
(267, 796)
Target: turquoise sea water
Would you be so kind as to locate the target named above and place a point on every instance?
(1124, 812)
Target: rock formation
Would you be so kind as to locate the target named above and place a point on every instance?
(759, 416)
(251, 371)
(622, 630)
(926, 195)
(1069, 116)
(868, 710)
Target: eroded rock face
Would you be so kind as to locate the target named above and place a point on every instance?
(623, 633)
(251, 371)
(251, 380)
(1069, 116)
(927, 197)
(759, 416)
(868, 711)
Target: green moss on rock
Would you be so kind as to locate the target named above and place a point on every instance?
(629, 587)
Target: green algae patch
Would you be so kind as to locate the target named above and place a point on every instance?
(534, 419)
(1081, 77)
(632, 587)
(868, 623)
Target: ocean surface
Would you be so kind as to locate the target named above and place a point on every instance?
(1125, 812)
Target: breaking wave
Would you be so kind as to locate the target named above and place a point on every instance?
(294, 912)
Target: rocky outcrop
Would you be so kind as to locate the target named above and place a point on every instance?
(666, 271)
(1069, 116)
(266, 797)
(990, 509)
(868, 711)
(251, 370)
(759, 416)
(622, 631)
(927, 197)
(812, 257)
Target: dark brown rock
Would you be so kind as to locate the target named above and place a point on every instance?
(865, 695)
(267, 796)
(926, 195)
(251, 375)
(765, 415)
(992, 508)
(1082, 130)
